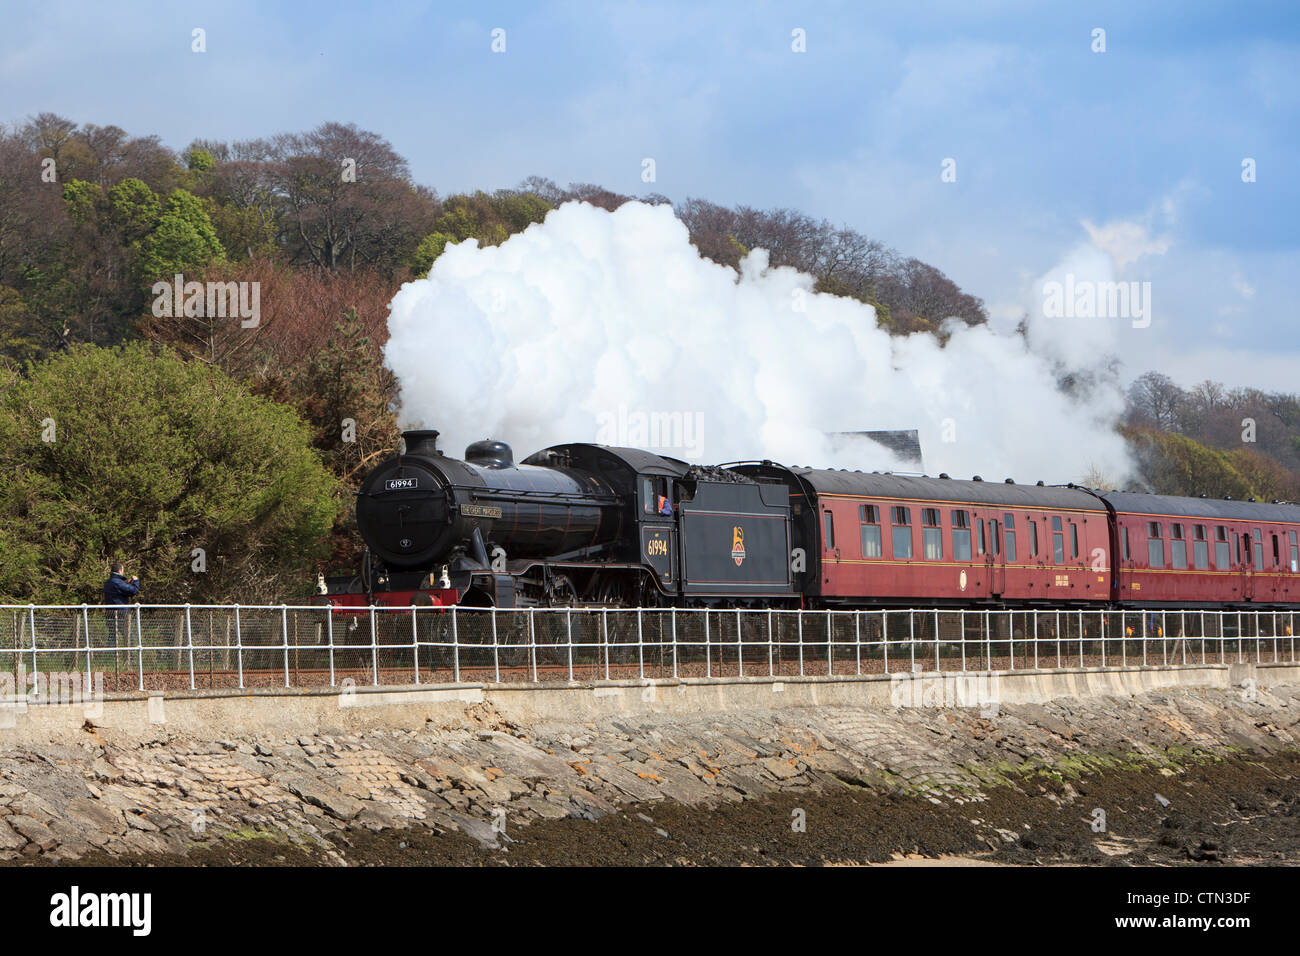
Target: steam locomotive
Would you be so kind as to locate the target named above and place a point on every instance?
(594, 525)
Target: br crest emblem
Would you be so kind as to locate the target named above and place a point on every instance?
(738, 545)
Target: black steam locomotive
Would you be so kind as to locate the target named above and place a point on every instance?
(577, 524)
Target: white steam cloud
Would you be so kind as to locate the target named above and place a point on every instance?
(610, 327)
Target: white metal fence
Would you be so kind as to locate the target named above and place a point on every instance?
(171, 647)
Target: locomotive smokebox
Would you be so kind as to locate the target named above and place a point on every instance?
(490, 454)
(422, 442)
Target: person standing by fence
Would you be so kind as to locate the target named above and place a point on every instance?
(118, 591)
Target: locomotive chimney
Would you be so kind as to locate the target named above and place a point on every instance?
(422, 442)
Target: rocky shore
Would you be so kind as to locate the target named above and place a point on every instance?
(1193, 775)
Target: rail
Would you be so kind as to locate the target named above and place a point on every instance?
(172, 647)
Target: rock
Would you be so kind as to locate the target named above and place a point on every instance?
(104, 771)
(635, 787)
(138, 821)
(34, 830)
(782, 769)
(94, 815)
(376, 816)
(336, 804)
(10, 840)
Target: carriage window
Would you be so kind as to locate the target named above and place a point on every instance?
(1177, 546)
(1124, 539)
(1222, 553)
(980, 527)
(1277, 554)
(993, 536)
(902, 533)
(1058, 541)
(829, 536)
(931, 534)
(870, 516)
(1200, 548)
(961, 535)
(1237, 538)
(1009, 529)
(1155, 545)
(1259, 549)
(1295, 552)
(1033, 538)
(1074, 540)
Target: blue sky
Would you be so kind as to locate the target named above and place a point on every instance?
(1135, 152)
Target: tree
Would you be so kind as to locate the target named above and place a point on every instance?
(184, 241)
(133, 454)
(346, 198)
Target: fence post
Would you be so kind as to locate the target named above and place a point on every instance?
(740, 648)
(31, 618)
(415, 644)
(532, 640)
(1081, 639)
(604, 639)
(857, 639)
(455, 647)
(139, 645)
(963, 642)
(1035, 638)
(189, 643)
(568, 630)
(673, 621)
(911, 637)
(830, 644)
(771, 671)
(884, 637)
(374, 649)
(988, 642)
(85, 620)
(800, 617)
(329, 634)
(640, 645)
(938, 668)
(1103, 639)
(708, 651)
(284, 629)
(496, 650)
(239, 648)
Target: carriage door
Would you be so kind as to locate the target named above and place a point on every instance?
(1243, 564)
(1254, 546)
(830, 547)
(995, 557)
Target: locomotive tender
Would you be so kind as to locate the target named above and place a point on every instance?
(585, 524)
